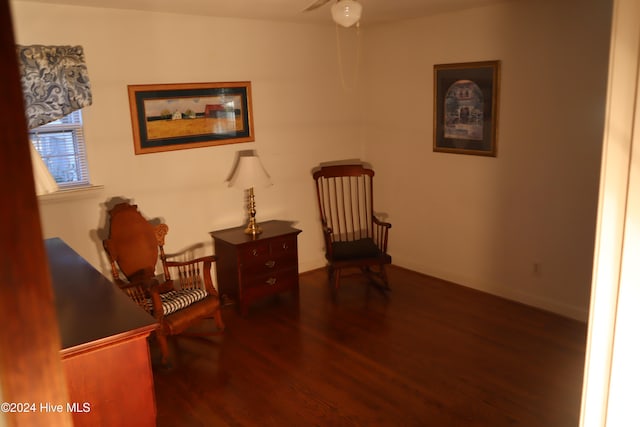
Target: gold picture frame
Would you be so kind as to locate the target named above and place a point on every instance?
(465, 108)
(167, 117)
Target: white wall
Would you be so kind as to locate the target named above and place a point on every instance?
(302, 117)
(481, 222)
(484, 222)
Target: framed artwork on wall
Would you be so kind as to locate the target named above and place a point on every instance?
(465, 110)
(168, 117)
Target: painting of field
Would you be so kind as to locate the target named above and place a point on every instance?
(180, 116)
(165, 129)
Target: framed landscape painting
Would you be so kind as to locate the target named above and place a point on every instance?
(466, 107)
(188, 115)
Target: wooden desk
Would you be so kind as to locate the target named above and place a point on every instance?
(105, 354)
(249, 268)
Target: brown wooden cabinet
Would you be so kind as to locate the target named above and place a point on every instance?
(104, 349)
(249, 268)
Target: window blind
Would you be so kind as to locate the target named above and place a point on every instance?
(61, 145)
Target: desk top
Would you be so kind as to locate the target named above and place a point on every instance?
(91, 310)
(270, 229)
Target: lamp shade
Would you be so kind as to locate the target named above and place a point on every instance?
(249, 173)
(346, 12)
(42, 177)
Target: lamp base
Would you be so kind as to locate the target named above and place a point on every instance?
(252, 228)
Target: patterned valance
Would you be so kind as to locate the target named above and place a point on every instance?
(55, 82)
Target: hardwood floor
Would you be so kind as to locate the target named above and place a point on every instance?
(431, 354)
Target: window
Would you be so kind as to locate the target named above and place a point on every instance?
(61, 146)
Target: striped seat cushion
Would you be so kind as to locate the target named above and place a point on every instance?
(175, 300)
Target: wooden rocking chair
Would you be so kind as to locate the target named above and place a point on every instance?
(183, 297)
(353, 236)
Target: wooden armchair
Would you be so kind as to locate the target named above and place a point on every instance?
(353, 236)
(183, 297)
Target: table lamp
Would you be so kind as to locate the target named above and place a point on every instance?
(247, 175)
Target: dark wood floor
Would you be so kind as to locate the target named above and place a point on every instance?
(431, 354)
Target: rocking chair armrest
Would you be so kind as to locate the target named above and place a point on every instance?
(381, 223)
(165, 286)
(143, 285)
(205, 259)
(327, 232)
(155, 288)
(124, 285)
(156, 301)
(381, 233)
(139, 290)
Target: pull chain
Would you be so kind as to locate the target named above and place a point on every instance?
(341, 64)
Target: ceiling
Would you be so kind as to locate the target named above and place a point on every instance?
(374, 11)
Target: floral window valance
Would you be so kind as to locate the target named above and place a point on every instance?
(54, 80)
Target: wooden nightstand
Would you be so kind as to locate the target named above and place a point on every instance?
(250, 268)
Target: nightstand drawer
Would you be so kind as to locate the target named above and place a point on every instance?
(254, 252)
(260, 251)
(286, 245)
(273, 281)
(269, 254)
(268, 264)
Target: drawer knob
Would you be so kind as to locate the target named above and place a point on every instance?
(270, 264)
(254, 252)
(271, 281)
(285, 246)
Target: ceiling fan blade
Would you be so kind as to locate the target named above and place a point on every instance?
(316, 4)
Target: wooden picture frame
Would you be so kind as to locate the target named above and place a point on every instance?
(168, 117)
(465, 117)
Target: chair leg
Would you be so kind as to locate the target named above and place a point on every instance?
(164, 347)
(383, 275)
(218, 319)
(377, 277)
(336, 278)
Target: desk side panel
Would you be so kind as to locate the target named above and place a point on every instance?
(113, 385)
